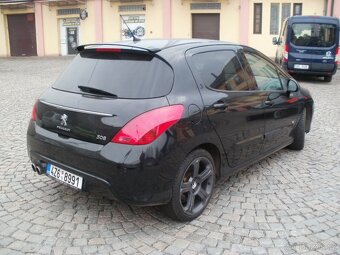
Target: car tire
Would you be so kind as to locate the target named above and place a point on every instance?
(328, 78)
(299, 133)
(193, 186)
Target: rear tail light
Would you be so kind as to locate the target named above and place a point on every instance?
(34, 112)
(285, 55)
(337, 56)
(147, 127)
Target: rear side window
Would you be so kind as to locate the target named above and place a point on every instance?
(313, 35)
(220, 70)
(127, 75)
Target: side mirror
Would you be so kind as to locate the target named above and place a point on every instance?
(275, 41)
(292, 86)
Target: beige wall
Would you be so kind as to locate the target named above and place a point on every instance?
(3, 36)
(52, 27)
(229, 19)
(181, 26)
(112, 21)
(263, 42)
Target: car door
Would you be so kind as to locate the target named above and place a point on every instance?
(234, 110)
(280, 107)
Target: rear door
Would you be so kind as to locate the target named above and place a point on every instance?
(234, 110)
(313, 46)
(101, 91)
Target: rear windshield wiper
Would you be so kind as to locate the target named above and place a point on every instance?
(96, 91)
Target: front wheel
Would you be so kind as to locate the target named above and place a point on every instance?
(193, 186)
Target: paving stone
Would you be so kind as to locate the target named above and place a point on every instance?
(284, 204)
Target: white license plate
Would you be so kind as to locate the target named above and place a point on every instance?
(65, 176)
(305, 67)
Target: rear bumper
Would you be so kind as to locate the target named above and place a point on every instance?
(137, 175)
(317, 69)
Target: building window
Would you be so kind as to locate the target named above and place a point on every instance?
(257, 18)
(285, 11)
(274, 18)
(297, 9)
(205, 6)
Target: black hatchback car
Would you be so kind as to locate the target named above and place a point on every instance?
(158, 121)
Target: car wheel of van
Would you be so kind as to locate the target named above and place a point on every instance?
(193, 186)
(328, 78)
(299, 133)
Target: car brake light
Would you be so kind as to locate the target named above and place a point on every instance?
(34, 112)
(147, 127)
(108, 50)
(285, 55)
(337, 55)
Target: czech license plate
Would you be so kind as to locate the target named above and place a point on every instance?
(304, 67)
(64, 176)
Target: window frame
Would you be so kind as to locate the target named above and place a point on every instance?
(271, 19)
(294, 9)
(260, 6)
(283, 9)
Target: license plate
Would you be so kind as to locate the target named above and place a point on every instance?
(296, 66)
(64, 176)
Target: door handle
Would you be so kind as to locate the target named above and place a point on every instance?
(220, 105)
(268, 102)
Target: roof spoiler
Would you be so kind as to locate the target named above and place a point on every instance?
(124, 47)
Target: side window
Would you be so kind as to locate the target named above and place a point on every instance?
(264, 72)
(220, 70)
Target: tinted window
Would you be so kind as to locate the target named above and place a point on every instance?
(313, 35)
(127, 75)
(264, 73)
(220, 70)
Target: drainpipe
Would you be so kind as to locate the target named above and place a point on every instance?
(332, 8)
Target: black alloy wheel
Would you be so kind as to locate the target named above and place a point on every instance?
(193, 187)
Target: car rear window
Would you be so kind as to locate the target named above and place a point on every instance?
(124, 74)
(313, 34)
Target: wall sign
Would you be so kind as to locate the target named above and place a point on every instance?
(137, 25)
(72, 22)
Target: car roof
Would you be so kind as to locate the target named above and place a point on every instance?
(314, 18)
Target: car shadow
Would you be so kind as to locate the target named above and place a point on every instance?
(308, 78)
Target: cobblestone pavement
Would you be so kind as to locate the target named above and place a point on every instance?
(288, 203)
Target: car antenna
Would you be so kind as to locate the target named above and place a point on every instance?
(135, 39)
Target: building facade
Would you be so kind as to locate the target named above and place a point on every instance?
(56, 27)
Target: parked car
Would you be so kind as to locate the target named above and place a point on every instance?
(309, 45)
(158, 122)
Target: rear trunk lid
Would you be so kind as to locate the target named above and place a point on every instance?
(101, 91)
